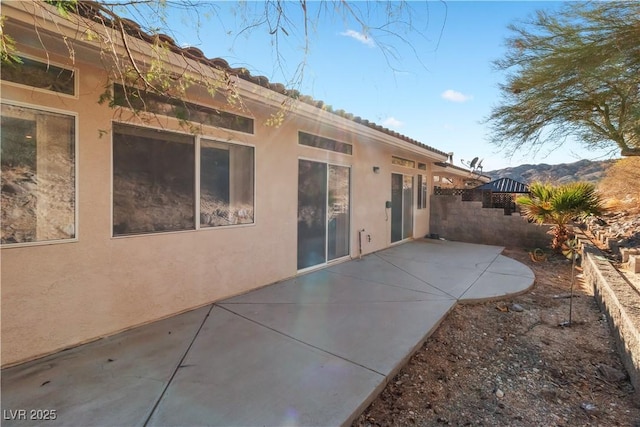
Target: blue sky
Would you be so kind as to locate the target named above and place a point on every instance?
(438, 94)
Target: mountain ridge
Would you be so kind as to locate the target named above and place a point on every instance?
(581, 170)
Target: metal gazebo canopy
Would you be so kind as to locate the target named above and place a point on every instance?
(500, 194)
(504, 185)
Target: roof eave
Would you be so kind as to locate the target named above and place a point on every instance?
(270, 94)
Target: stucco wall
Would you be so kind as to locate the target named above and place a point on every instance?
(453, 219)
(55, 296)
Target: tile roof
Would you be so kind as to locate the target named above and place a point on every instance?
(504, 185)
(94, 11)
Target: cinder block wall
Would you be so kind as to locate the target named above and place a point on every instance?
(453, 219)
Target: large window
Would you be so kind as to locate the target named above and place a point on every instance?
(153, 181)
(226, 184)
(38, 175)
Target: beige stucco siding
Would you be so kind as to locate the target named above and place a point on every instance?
(62, 294)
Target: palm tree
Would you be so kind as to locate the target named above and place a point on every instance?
(558, 205)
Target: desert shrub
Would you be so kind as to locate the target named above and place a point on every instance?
(621, 185)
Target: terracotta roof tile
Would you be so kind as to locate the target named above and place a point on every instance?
(95, 11)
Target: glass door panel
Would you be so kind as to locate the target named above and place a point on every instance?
(396, 207)
(407, 207)
(338, 212)
(401, 207)
(312, 213)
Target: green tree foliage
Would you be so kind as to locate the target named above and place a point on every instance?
(64, 7)
(7, 47)
(559, 205)
(572, 74)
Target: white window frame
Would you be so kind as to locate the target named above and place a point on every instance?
(202, 125)
(404, 159)
(76, 78)
(351, 204)
(76, 181)
(325, 150)
(197, 169)
(421, 200)
(198, 191)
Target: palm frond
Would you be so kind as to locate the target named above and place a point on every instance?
(558, 205)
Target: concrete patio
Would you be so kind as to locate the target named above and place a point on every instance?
(313, 350)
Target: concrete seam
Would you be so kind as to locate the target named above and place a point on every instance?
(175, 371)
(442, 298)
(300, 341)
(416, 277)
(387, 284)
(481, 274)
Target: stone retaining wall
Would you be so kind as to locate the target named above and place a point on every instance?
(620, 303)
(453, 219)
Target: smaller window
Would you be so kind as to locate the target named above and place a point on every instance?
(324, 143)
(422, 166)
(403, 162)
(226, 184)
(422, 192)
(139, 99)
(40, 75)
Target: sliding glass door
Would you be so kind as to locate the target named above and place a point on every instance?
(323, 213)
(401, 207)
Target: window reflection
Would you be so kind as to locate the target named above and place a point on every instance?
(153, 181)
(226, 184)
(38, 175)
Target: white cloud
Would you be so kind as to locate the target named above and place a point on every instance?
(455, 96)
(392, 122)
(362, 38)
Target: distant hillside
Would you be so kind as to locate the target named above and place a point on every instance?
(583, 170)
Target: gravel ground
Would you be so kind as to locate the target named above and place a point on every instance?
(510, 363)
